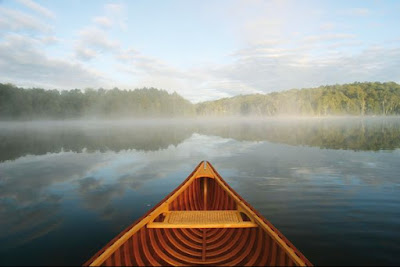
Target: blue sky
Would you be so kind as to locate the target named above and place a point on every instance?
(203, 50)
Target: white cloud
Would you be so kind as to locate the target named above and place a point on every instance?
(85, 53)
(327, 26)
(114, 8)
(298, 70)
(270, 66)
(93, 41)
(356, 12)
(97, 39)
(328, 37)
(13, 20)
(152, 72)
(195, 84)
(38, 8)
(117, 12)
(50, 40)
(146, 64)
(262, 29)
(103, 21)
(259, 21)
(24, 62)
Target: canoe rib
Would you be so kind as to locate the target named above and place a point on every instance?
(180, 231)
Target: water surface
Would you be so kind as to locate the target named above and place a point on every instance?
(331, 186)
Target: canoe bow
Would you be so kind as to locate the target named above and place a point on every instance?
(202, 222)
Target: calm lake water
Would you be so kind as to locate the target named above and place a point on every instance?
(331, 186)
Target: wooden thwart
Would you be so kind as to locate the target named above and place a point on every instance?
(203, 219)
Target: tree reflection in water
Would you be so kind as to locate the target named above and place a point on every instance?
(358, 134)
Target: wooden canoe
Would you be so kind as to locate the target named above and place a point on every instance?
(202, 222)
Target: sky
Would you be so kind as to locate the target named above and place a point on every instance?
(203, 50)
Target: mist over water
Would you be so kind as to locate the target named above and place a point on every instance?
(330, 185)
(41, 137)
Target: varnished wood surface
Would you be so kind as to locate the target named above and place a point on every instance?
(203, 219)
(200, 246)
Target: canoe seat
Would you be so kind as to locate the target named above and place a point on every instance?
(203, 219)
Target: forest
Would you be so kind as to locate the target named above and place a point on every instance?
(368, 98)
(39, 103)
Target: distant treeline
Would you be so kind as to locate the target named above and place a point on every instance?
(39, 103)
(348, 99)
